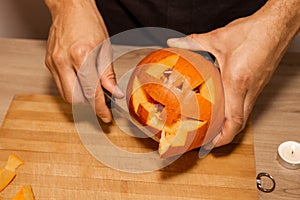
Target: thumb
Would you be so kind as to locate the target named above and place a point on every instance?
(108, 81)
(106, 70)
(191, 42)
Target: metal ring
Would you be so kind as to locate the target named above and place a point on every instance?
(258, 182)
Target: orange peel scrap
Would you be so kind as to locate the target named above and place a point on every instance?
(9, 172)
(25, 193)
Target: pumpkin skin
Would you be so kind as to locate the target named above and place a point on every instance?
(25, 193)
(178, 95)
(8, 173)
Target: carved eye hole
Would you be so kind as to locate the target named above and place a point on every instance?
(197, 89)
(160, 107)
(180, 86)
(166, 74)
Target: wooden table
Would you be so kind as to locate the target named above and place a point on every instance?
(275, 117)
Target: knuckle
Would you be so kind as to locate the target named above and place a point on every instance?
(238, 122)
(193, 36)
(103, 113)
(58, 59)
(239, 81)
(48, 61)
(235, 122)
(227, 140)
(240, 78)
(78, 53)
(89, 92)
(217, 33)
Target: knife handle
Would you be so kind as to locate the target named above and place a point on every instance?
(109, 99)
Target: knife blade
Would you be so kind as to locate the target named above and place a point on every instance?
(138, 130)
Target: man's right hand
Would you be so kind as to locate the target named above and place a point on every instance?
(77, 28)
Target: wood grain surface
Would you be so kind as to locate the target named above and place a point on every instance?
(40, 130)
(275, 117)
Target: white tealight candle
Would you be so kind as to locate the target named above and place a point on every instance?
(288, 154)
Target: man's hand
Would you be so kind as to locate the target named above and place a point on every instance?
(77, 28)
(248, 51)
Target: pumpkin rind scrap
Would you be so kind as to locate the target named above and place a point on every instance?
(13, 163)
(178, 94)
(6, 176)
(25, 193)
(9, 172)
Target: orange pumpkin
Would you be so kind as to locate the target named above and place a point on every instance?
(178, 95)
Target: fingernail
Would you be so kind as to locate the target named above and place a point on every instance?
(216, 139)
(180, 43)
(173, 41)
(105, 119)
(203, 151)
(209, 146)
(118, 92)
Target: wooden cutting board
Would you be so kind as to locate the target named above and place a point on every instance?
(40, 130)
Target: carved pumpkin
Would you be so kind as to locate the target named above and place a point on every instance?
(177, 95)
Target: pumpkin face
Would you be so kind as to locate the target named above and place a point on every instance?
(177, 95)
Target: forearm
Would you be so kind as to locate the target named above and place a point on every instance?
(58, 6)
(281, 19)
(67, 13)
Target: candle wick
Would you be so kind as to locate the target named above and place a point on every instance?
(293, 149)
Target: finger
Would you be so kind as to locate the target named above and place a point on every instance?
(91, 86)
(188, 42)
(106, 71)
(58, 84)
(88, 76)
(54, 74)
(49, 62)
(65, 72)
(93, 92)
(68, 80)
(60, 66)
(78, 53)
(194, 42)
(100, 106)
(234, 114)
(78, 94)
(213, 142)
(250, 100)
(108, 81)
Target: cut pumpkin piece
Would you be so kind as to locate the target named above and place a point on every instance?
(6, 177)
(13, 163)
(182, 136)
(170, 60)
(25, 193)
(9, 172)
(154, 117)
(139, 95)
